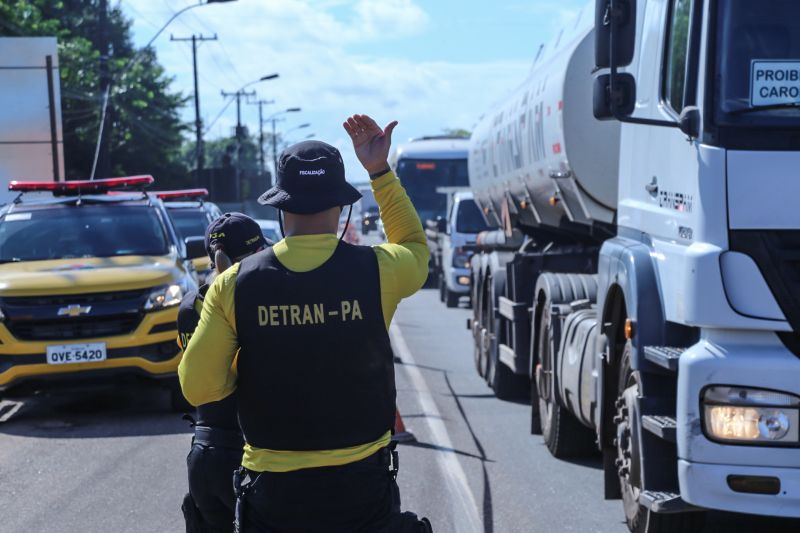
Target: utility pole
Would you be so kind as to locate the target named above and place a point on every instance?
(198, 122)
(261, 104)
(103, 164)
(274, 148)
(238, 95)
(239, 134)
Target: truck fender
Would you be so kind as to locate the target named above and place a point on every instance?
(628, 289)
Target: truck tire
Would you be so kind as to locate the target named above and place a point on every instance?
(638, 518)
(504, 382)
(562, 433)
(451, 299)
(442, 287)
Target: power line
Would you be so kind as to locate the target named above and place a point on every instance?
(208, 128)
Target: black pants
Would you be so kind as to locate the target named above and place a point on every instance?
(211, 484)
(359, 497)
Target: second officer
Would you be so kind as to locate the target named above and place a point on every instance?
(218, 443)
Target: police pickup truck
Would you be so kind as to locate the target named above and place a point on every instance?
(90, 284)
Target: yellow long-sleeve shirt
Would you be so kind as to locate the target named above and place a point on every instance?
(208, 372)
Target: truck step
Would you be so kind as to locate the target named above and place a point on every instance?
(664, 356)
(664, 502)
(661, 426)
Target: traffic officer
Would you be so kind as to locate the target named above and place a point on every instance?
(218, 443)
(309, 319)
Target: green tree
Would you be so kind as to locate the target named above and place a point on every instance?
(457, 132)
(146, 130)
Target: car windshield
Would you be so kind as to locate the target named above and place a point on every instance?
(758, 62)
(189, 222)
(270, 231)
(469, 218)
(422, 177)
(90, 230)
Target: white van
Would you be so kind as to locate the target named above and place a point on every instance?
(457, 244)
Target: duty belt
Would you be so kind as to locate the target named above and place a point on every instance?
(218, 437)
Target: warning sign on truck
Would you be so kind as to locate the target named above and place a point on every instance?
(774, 82)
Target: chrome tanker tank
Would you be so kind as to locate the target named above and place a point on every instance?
(541, 158)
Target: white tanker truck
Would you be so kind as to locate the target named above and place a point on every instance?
(645, 287)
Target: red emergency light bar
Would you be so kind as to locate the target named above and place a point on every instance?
(185, 193)
(80, 186)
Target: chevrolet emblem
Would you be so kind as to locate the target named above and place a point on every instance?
(74, 310)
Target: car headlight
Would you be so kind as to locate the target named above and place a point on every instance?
(461, 258)
(166, 296)
(756, 416)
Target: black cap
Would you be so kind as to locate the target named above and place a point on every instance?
(237, 233)
(310, 179)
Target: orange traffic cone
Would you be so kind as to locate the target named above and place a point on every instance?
(401, 434)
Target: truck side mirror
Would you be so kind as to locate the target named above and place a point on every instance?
(689, 121)
(195, 247)
(441, 225)
(622, 21)
(624, 96)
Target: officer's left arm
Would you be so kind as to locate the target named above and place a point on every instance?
(206, 371)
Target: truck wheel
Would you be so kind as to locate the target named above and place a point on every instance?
(442, 287)
(563, 434)
(629, 462)
(451, 298)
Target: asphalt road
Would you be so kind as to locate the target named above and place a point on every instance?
(114, 461)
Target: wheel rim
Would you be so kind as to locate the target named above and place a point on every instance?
(628, 462)
(544, 375)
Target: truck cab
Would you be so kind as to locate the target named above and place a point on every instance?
(650, 162)
(90, 284)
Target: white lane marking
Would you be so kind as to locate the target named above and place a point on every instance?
(465, 516)
(8, 409)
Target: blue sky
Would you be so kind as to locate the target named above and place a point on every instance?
(428, 64)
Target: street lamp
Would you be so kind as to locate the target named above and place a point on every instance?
(290, 130)
(273, 118)
(102, 139)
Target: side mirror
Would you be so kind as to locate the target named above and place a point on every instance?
(195, 247)
(441, 225)
(624, 97)
(622, 21)
(689, 121)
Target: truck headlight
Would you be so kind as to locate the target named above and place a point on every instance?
(744, 415)
(166, 296)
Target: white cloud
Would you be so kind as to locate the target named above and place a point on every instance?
(325, 54)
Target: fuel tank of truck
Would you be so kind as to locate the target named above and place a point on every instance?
(540, 156)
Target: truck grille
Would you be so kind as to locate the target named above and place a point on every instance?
(777, 254)
(37, 318)
(73, 328)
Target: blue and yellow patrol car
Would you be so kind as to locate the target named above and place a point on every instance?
(90, 282)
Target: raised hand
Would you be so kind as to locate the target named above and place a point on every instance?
(370, 142)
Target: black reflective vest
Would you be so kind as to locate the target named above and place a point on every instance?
(221, 414)
(315, 367)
